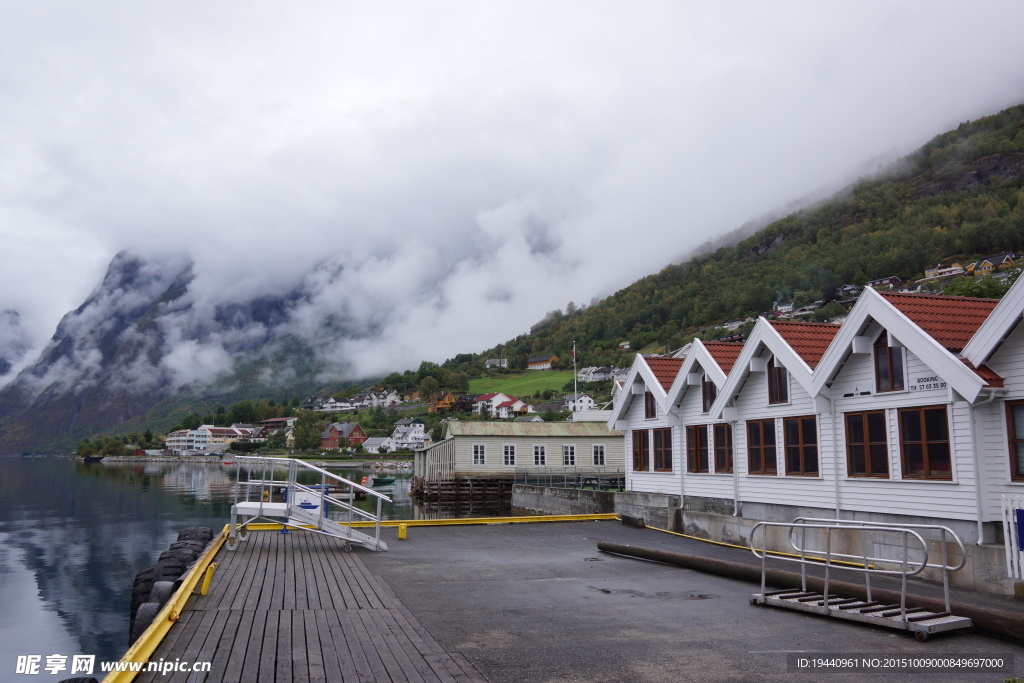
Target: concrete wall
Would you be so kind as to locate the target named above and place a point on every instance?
(712, 518)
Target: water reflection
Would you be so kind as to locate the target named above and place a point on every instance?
(74, 536)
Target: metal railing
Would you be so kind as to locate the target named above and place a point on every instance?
(572, 477)
(265, 486)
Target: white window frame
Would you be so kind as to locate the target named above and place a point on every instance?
(508, 456)
(540, 455)
(598, 451)
(479, 454)
(568, 455)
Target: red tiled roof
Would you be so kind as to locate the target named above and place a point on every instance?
(664, 369)
(950, 320)
(484, 397)
(809, 340)
(986, 373)
(724, 353)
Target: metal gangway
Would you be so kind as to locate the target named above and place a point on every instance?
(909, 556)
(261, 495)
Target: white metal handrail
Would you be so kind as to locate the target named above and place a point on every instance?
(830, 557)
(292, 485)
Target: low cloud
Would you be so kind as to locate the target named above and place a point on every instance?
(429, 181)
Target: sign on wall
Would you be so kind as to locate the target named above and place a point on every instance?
(927, 383)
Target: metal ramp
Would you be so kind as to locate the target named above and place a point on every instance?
(832, 541)
(300, 504)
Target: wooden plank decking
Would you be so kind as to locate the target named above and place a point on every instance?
(295, 607)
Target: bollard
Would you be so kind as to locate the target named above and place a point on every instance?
(401, 531)
(207, 578)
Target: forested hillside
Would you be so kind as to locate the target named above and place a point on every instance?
(959, 197)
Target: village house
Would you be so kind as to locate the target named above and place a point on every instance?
(991, 264)
(908, 412)
(884, 282)
(496, 363)
(942, 271)
(409, 434)
(379, 444)
(342, 435)
(496, 449)
(441, 403)
(577, 402)
(205, 439)
(541, 362)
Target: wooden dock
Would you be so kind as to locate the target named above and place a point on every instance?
(296, 607)
(462, 488)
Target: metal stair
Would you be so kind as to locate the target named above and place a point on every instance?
(301, 506)
(907, 554)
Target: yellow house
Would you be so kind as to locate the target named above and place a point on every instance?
(991, 264)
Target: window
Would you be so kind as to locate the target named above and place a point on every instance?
(924, 443)
(697, 448)
(479, 454)
(568, 456)
(650, 406)
(778, 383)
(509, 459)
(867, 445)
(599, 454)
(663, 449)
(641, 450)
(761, 447)
(801, 437)
(723, 448)
(888, 365)
(1015, 430)
(540, 455)
(708, 393)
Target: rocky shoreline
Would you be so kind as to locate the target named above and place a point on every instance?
(370, 464)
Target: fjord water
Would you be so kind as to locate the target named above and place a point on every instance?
(73, 536)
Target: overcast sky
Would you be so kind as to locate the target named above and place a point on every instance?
(469, 166)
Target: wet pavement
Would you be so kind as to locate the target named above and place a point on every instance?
(540, 602)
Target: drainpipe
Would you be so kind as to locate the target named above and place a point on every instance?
(835, 452)
(977, 467)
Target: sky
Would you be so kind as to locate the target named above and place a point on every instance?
(447, 171)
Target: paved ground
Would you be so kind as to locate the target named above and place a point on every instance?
(539, 602)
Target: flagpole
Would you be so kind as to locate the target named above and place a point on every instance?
(575, 377)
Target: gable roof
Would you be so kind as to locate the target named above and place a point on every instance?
(724, 353)
(997, 326)
(934, 327)
(950, 320)
(664, 369)
(809, 340)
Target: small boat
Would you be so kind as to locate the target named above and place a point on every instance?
(383, 481)
(94, 458)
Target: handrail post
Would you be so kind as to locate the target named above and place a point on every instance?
(903, 587)
(803, 559)
(828, 565)
(867, 574)
(945, 571)
(764, 558)
(379, 501)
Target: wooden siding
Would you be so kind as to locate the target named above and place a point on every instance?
(652, 482)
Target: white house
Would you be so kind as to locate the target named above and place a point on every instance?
(910, 411)
(379, 444)
(409, 434)
(577, 402)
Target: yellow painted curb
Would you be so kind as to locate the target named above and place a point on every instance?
(273, 526)
(143, 648)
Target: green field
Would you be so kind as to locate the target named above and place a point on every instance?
(523, 384)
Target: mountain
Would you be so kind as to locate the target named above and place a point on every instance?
(150, 344)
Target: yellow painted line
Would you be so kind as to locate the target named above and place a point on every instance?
(272, 526)
(143, 648)
(770, 552)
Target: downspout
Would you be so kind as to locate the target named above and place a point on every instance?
(735, 472)
(977, 467)
(835, 453)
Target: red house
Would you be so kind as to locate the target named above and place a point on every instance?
(342, 435)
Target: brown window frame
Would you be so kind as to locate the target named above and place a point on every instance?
(778, 383)
(650, 406)
(708, 393)
(927, 443)
(723, 448)
(802, 450)
(1014, 441)
(762, 448)
(697, 456)
(661, 447)
(867, 444)
(890, 359)
(641, 450)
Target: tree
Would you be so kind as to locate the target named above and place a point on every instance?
(428, 387)
(307, 431)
